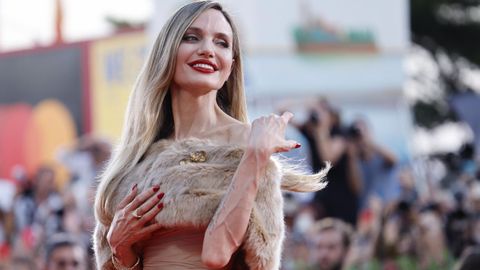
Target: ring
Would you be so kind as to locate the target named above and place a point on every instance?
(136, 215)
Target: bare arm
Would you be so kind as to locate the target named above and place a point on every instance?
(226, 231)
(329, 147)
(390, 159)
(354, 173)
(388, 156)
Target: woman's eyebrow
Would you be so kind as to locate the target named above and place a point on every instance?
(198, 30)
(194, 29)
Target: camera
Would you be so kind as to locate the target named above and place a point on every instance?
(354, 132)
(314, 117)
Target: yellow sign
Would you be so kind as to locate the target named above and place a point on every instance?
(115, 63)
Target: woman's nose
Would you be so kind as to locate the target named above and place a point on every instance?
(206, 49)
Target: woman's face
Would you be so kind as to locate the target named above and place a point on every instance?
(205, 57)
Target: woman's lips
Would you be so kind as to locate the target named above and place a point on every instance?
(203, 65)
(204, 68)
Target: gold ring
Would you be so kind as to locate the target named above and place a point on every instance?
(136, 215)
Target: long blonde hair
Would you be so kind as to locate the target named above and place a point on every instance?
(149, 113)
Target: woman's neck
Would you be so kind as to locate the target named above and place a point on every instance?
(195, 115)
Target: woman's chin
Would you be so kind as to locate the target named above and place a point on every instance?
(201, 87)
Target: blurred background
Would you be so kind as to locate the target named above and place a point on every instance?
(388, 91)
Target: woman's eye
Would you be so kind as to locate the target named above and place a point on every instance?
(189, 38)
(223, 43)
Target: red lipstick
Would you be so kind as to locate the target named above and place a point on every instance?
(203, 65)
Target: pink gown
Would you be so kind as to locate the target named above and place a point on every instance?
(175, 249)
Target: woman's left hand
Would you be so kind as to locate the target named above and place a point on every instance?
(267, 135)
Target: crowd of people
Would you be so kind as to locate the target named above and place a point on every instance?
(47, 223)
(375, 213)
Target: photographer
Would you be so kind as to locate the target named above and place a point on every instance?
(328, 141)
(377, 164)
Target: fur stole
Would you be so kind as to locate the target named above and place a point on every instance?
(194, 186)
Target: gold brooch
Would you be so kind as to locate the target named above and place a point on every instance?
(195, 157)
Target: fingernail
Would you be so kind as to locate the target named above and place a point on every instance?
(160, 205)
(156, 188)
(160, 196)
(298, 145)
(134, 187)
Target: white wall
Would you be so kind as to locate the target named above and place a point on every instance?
(268, 24)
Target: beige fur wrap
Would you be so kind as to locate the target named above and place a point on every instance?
(194, 188)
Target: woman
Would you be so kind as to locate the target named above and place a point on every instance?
(191, 184)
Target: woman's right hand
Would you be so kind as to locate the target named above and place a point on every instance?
(133, 222)
(267, 135)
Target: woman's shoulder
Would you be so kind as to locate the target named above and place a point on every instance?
(233, 134)
(239, 133)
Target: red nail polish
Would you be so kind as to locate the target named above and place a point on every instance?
(298, 145)
(160, 205)
(156, 188)
(134, 187)
(160, 196)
